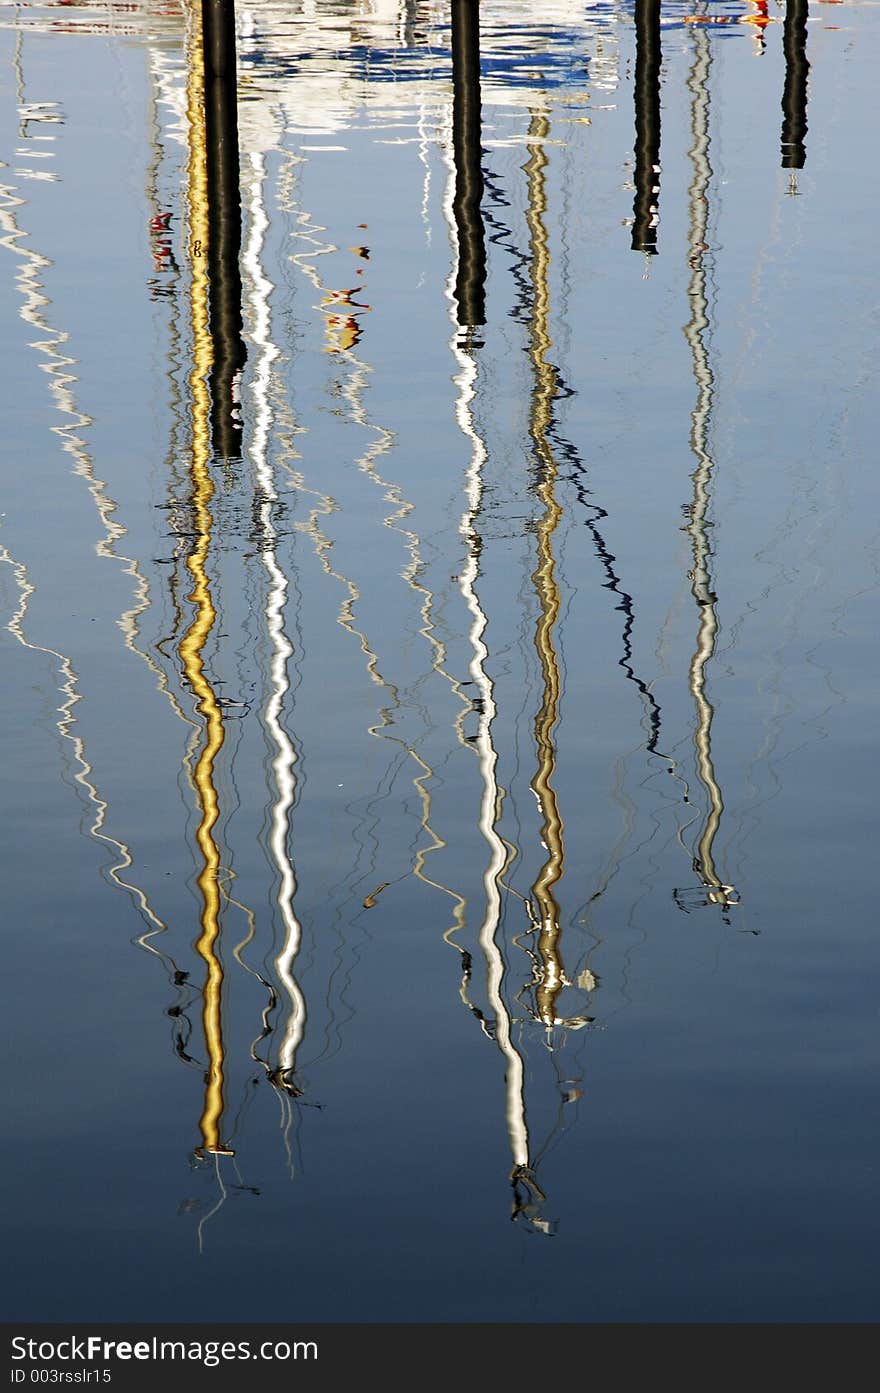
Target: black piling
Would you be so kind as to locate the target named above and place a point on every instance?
(794, 95)
(470, 282)
(647, 147)
(224, 224)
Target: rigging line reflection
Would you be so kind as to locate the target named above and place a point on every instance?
(58, 364)
(713, 890)
(193, 642)
(83, 778)
(352, 389)
(503, 237)
(286, 431)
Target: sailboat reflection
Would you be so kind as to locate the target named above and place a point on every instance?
(548, 975)
(712, 890)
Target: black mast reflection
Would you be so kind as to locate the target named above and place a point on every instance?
(470, 278)
(794, 94)
(647, 147)
(224, 223)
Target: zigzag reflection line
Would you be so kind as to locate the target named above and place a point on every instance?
(352, 390)
(57, 364)
(83, 775)
(29, 283)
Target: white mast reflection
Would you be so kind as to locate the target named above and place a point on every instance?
(284, 761)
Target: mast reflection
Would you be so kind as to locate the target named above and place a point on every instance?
(281, 1072)
(549, 968)
(223, 221)
(647, 146)
(470, 278)
(713, 890)
(794, 94)
(527, 1193)
(548, 977)
(193, 642)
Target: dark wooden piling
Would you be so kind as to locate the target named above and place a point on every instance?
(224, 223)
(470, 281)
(794, 95)
(647, 146)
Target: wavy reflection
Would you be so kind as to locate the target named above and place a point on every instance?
(548, 970)
(502, 236)
(282, 1072)
(550, 975)
(714, 891)
(527, 1194)
(58, 363)
(193, 642)
(352, 388)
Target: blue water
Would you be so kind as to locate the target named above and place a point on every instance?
(467, 791)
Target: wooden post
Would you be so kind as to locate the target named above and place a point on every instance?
(470, 281)
(224, 223)
(647, 147)
(794, 95)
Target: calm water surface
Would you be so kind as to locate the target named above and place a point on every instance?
(440, 715)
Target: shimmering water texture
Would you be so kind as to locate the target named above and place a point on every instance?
(438, 556)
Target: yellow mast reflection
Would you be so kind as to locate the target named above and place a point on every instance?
(550, 968)
(716, 891)
(193, 642)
